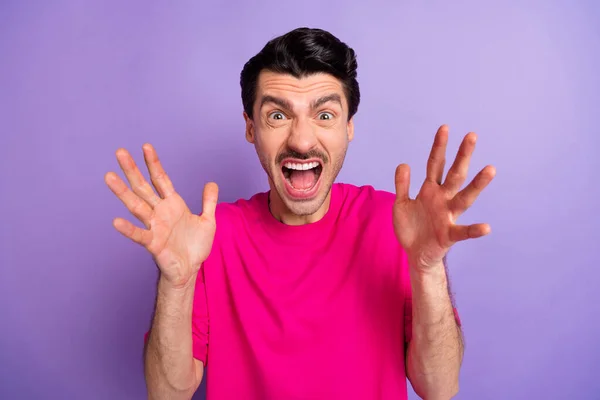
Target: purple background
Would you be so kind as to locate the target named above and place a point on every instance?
(80, 79)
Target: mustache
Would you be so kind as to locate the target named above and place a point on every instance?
(310, 154)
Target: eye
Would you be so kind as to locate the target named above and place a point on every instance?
(278, 115)
(326, 116)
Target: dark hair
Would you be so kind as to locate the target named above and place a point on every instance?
(303, 52)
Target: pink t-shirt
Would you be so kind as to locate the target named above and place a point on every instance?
(318, 311)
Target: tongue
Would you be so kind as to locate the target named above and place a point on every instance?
(302, 180)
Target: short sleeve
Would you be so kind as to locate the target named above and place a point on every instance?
(200, 320)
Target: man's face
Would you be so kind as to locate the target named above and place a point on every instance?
(300, 130)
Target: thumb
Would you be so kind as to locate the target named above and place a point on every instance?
(402, 182)
(209, 199)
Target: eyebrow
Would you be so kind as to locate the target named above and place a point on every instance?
(334, 97)
(275, 100)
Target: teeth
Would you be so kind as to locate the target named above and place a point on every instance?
(301, 167)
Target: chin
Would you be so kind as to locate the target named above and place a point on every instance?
(304, 207)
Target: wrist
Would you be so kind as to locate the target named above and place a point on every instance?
(166, 286)
(433, 271)
(173, 301)
(428, 285)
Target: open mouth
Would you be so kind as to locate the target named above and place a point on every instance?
(301, 177)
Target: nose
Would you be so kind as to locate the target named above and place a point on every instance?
(303, 136)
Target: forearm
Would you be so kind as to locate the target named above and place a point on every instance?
(170, 369)
(436, 349)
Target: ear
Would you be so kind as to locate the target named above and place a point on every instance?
(351, 129)
(249, 128)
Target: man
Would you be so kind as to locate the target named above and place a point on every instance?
(314, 289)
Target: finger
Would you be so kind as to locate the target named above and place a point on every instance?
(159, 177)
(138, 207)
(437, 156)
(139, 185)
(402, 182)
(457, 174)
(209, 200)
(138, 235)
(465, 198)
(464, 232)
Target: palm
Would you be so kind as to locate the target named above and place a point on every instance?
(181, 240)
(426, 226)
(178, 240)
(422, 223)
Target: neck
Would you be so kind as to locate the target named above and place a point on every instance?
(283, 214)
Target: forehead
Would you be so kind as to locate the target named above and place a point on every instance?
(303, 89)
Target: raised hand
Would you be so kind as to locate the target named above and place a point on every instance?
(178, 240)
(426, 226)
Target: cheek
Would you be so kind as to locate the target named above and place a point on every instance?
(266, 146)
(336, 145)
